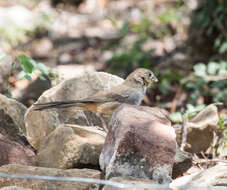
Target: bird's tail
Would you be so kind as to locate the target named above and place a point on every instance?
(57, 104)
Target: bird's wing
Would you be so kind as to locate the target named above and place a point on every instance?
(118, 94)
(113, 95)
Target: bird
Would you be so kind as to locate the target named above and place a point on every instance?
(131, 91)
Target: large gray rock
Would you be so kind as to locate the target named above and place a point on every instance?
(39, 124)
(140, 143)
(15, 153)
(215, 176)
(71, 146)
(65, 72)
(12, 119)
(39, 184)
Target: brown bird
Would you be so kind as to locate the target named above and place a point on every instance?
(131, 91)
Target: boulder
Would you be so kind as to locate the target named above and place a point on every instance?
(71, 146)
(12, 119)
(200, 130)
(39, 124)
(140, 143)
(69, 71)
(37, 184)
(214, 176)
(15, 153)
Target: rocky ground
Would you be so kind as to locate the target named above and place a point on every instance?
(141, 146)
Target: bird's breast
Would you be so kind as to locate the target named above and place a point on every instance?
(136, 97)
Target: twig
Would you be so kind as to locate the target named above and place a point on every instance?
(200, 161)
(184, 132)
(176, 99)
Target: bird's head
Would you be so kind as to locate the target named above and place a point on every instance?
(142, 77)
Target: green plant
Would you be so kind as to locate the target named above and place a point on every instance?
(28, 67)
(167, 79)
(221, 145)
(210, 16)
(189, 112)
(208, 81)
(131, 50)
(133, 55)
(15, 33)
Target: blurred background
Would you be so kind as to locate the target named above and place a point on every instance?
(183, 42)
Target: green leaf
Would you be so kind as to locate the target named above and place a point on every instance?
(212, 68)
(176, 117)
(223, 68)
(223, 48)
(192, 110)
(220, 122)
(8, 95)
(5, 58)
(200, 69)
(180, 3)
(26, 63)
(43, 68)
(136, 28)
(124, 29)
(42, 77)
(28, 77)
(217, 42)
(21, 75)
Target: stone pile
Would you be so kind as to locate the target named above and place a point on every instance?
(140, 146)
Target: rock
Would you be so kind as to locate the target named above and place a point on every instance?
(76, 88)
(15, 153)
(72, 146)
(183, 161)
(215, 176)
(65, 72)
(42, 47)
(12, 119)
(5, 64)
(37, 184)
(200, 130)
(24, 21)
(32, 92)
(140, 143)
(134, 184)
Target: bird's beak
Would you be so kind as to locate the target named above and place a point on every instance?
(154, 79)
